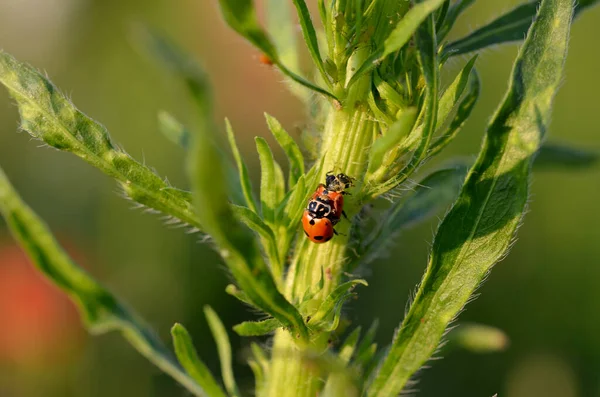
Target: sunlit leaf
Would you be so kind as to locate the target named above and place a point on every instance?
(100, 310)
(224, 348)
(194, 366)
(48, 115)
(257, 328)
(479, 228)
(289, 146)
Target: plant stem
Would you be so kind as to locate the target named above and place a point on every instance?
(347, 137)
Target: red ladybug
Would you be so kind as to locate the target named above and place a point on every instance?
(325, 208)
(318, 230)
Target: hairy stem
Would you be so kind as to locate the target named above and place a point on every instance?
(347, 137)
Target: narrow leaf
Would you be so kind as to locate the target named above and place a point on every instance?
(224, 348)
(310, 36)
(240, 15)
(253, 221)
(195, 367)
(268, 192)
(291, 149)
(395, 134)
(236, 244)
(101, 311)
(428, 60)
(454, 92)
(465, 107)
(509, 27)
(333, 300)
(552, 156)
(478, 230)
(257, 328)
(48, 115)
(349, 346)
(453, 13)
(430, 196)
(399, 36)
(242, 170)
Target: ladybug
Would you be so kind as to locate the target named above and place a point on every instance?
(318, 230)
(325, 208)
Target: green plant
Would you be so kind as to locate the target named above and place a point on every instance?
(376, 98)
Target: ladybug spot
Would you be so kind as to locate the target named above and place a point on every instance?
(312, 222)
(318, 238)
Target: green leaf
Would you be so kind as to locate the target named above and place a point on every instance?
(349, 346)
(330, 307)
(428, 60)
(224, 348)
(477, 232)
(291, 149)
(310, 36)
(260, 367)
(465, 107)
(48, 115)
(100, 311)
(236, 245)
(253, 221)
(552, 156)
(195, 367)
(509, 27)
(478, 338)
(393, 137)
(173, 130)
(454, 92)
(240, 15)
(268, 191)
(453, 13)
(399, 36)
(436, 192)
(366, 348)
(257, 328)
(242, 170)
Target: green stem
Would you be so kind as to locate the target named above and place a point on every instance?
(348, 135)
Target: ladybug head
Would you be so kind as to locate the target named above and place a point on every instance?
(339, 182)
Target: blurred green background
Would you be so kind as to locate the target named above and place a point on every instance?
(545, 295)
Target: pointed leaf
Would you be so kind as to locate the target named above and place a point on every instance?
(349, 345)
(478, 230)
(453, 13)
(257, 328)
(393, 137)
(509, 27)
(240, 15)
(428, 60)
(236, 244)
(100, 311)
(454, 92)
(188, 357)
(310, 36)
(242, 170)
(268, 192)
(430, 196)
(48, 115)
(291, 149)
(465, 107)
(224, 348)
(399, 36)
(333, 301)
(552, 156)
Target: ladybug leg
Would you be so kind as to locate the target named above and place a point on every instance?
(344, 213)
(335, 232)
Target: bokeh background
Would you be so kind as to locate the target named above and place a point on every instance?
(545, 295)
